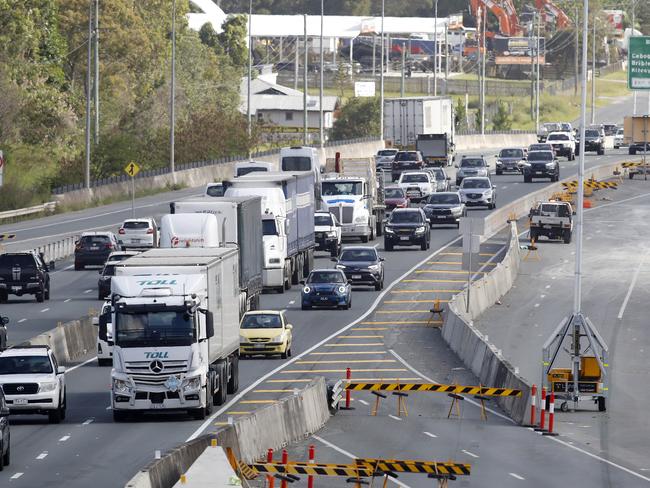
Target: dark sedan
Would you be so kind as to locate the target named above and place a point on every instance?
(326, 288)
(508, 160)
(395, 197)
(407, 227)
(444, 208)
(362, 266)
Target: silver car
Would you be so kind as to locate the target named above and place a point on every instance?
(384, 159)
(478, 191)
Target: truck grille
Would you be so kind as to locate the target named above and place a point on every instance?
(147, 373)
(538, 166)
(344, 213)
(20, 388)
(440, 211)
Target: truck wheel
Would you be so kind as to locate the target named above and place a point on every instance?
(364, 239)
(4, 297)
(631, 177)
(601, 404)
(120, 416)
(567, 236)
(233, 382)
(527, 179)
(6, 459)
(499, 172)
(334, 250)
(388, 246)
(219, 398)
(379, 231)
(601, 152)
(309, 263)
(631, 151)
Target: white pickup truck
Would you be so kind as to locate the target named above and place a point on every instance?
(553, 220)
(417, 185)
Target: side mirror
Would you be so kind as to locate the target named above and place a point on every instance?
(209, 324)
(350, 282)
(100, 271)
(4, 320)
(455, 166)
(104, 319)
(288, 327)
(302, 282)
(60, 370)
(51, 266)
(334, 260)
(382, 259)
(448, 178)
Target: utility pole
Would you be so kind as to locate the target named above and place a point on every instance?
(479, 20)
(401, 86)
(172, 97)
(593, 74)
(537, 92)
(88, 87)
(249, 113)
(483, 74)
(532, 68)
(446, 56)
(381, 77)
(321, 123)
(631, 34)
(304, 83)
(296, 62)
(575, 56)
(96, 83)
(435, 49)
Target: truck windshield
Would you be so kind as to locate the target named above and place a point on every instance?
(331, 188)
(296, 163)
(269, 228)
(169, 328)
(215, 191)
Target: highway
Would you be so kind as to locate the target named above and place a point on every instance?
(88, 446)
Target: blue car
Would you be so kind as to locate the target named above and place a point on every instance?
(326, 288)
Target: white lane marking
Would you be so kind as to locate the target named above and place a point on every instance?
(547, 286)
(45, 310)
(515, 475)
(67, 300)
(394, 417)
(363, 401)
(208, 422)
(63, 269)
(542, 296)
(16, 476)
(375, 246)
(470, 454)
(42, 455)
(352, 456)
(536, 305)
(109, 407)
(291, 302)
(64, 438)
(425, 377)
(433, 436)
(22, 320)
(631, 288)
(94, 358)
(87, 291)
(88, 421)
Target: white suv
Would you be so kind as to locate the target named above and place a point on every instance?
(563, 143)
(104, 347)
(138, 233)
(33, 382)
(417, 185)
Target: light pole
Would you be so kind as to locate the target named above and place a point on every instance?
(435, 49)
(593, 73)
(304, 85)
(321, 124)
(88, 68)
(172, 102)
(381, 76)
(537, 92)
(628, 46)
(249, 114)
(96, 84)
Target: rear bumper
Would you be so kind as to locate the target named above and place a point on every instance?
(21, 288)
(324, 300)
(405, 240)
(91, 259)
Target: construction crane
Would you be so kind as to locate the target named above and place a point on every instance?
(515, 25)
(562, 20)
(505, 27)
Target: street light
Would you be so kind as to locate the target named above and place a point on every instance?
(381, 75)
(435, 50)
(172, 114)
(320, 92)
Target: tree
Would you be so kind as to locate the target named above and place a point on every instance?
(502, 120)
(460, 115)
(477, 120)
(233, 40)
(358, 118)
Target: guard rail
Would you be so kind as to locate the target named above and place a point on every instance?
(46, 207)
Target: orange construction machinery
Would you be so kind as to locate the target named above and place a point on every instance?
(505, 12)
(562, 20)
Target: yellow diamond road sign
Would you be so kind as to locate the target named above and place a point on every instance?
(132, 169)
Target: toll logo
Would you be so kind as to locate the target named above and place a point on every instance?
(156, 355)
(156, 282)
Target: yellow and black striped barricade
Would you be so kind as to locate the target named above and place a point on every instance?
(313, 469)
(448, 468)
(593, 184)
(432, 387)
(6, 237)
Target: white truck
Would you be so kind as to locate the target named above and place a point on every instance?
(552, 219)
(406, 118)
(175, 325)
(189, 230)
(354, 192)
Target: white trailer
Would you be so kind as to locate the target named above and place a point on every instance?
(175, 319)
(405, 118)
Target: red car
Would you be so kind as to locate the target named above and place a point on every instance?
(395, 197)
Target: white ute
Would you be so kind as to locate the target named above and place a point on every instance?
(417, 185)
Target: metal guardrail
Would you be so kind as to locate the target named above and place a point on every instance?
(46, 207)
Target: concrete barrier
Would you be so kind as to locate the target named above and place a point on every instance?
(70, 340)
(290, 419)
(493, 141)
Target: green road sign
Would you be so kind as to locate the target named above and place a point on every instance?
(638, 63)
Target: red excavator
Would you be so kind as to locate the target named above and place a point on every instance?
(505, 12)
(562, 20)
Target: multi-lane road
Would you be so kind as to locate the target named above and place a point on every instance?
(89, 448)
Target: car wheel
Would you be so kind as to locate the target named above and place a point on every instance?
(78, 266)
(388, 246)
(54, 416)
(424, 245)
(47, 292)
(379, 286)
(305, 307)
(40, 297)
(285, 354)
(364, 239)
(120, 416)
(567, 237)
(6, 459)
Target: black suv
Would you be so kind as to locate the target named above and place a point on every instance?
(24, 273)
(4, 433)
(593, 142)
(93, 248)
(406, 161)
(541, 164)
(362, 266)
(407, 227)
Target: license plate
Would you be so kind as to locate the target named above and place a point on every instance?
(94, 248)
(404, 238)
(156, 405)
(356, 277)
(539, 172)
(135, 241)
(323, 299)
(20, 401)
(16, 288)
(440, 217)
(348, 229)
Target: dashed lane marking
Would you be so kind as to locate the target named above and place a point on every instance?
(64, 438)
(22, 320)
(88, 421)
(470, 454)
(354, 344)
(16, 476)
(369, 370)
(515, 475)
(363, 402)
(394, 417)
(253, 402)
(350, 361)
(42, 455)
(45, 310)
(67, 300)
(342, 353)
(426, 291)
(88, 291)
(433, 436)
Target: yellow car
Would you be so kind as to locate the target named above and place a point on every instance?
(265, 332)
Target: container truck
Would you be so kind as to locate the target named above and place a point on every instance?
(436, 149)
(353, 191)
(189, 230)
(297, 159)
(288, 207)
(636, 133)
(240, 224)
(405, 118)
(175, 326)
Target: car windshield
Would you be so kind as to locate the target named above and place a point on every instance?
(558, 137)
(406, 156)
(23, 261)
(296, 163)
(472, 163)
(25, 365)
(261, 321)
(325, 220)
(154, 328)
(551, 127)
(620, 132)
(139, 225)
(332, 188)
(540, 156)
(215, 191)
(326, 277)
(269, 228)
(410, 178)
(109, 270)
(540, 147)
(405, 218)
(444, 199)
(394, 193)
(566, 127)
(511, 153)
(470, 183)
(440, 173)
(358, 255)
(387, 152)
(591, 133)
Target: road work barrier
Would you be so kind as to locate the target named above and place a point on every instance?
(290, 419)
(434, 388)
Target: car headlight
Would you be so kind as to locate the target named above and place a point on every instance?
(550, 165)
(49, 386)
(420, 230)
(306, 290)
(243, 339)
(120, 386)
(340, 266)
(192, 384)
(331, 234)
(342, 289)
(373, 267)
(388, 230)
(499, 163)
(277, 338)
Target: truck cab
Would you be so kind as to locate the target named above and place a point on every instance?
(347, 199)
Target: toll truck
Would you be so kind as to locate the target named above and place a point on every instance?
(353, 191)
(287, 207)
(175, 325)
(239, 221)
